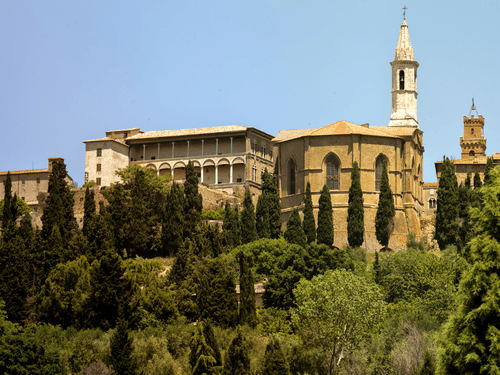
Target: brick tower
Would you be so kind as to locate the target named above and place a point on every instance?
(473, 142)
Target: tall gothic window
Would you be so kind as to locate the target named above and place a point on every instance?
(291, 177)
(332, 172)
(432, 203)
(401, 80)
(379, 168)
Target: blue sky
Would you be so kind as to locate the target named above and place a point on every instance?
(71, 70)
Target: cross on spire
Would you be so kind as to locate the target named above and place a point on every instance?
(404, 12)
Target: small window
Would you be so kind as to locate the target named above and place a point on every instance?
(98, 167)
(291, 177)
(99, 152)
(471, 153)
(38, 180)
(432, 203)
(24, 181)
(263, 151)
(98, 181)
(131, 159)
(153, 157)
(401, 80)
(125, 135)
(254, 173)
(238, 180)
(36, 210)
(271, 154)
(471, 131)
(22, 198)
(254, 147)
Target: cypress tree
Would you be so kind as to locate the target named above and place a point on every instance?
(55, 253)
(325, 233)
(248, 310)
(309, 223)
(193, 202)
(487, 171)
(237, 358)
(59, 205)
(248, 230)
(275, 362)
(355, 211)
(209, 334)
(140, 216)
(99, 236)
(376, 268)
(477, 181)
(384, 218)
(26, 231)
(464, 228)
(216, 294)
(173, 221)
(271, 208)
(447, 207)
(467, 182)
(121, 349)
(230, 226)
(294, 233)
(89, 209)
(262, 217)
(8, 220)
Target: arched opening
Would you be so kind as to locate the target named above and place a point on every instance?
(379, 168)
(332, 172)
(401, 80)
(432, 203)
(471, 153)
(291, 177)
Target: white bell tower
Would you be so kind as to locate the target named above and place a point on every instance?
(404, 82)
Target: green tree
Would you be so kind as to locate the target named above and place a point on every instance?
(202, 356)
(262, 216)
(209, 334)
(230, 226)
(470, 343)
(216, 294)
(325, 232)
(477, 181)
(467, 182)
(376, 268)
(335, 312)
(89, 209)
(384, 218)
(355, 211)
(464, 227)
(173, 221)
(268, 212)
(309, 223)
(193, 202)
(275, 362)
(64, 293)
(487, 171)
(237, 358)
(5, 209)
(447, 207)
(248, 229)
(120, 348)
(294, 233)
(248, 310)
(59, 205)
(428, 367)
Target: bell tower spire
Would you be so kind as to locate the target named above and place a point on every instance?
(404, 81)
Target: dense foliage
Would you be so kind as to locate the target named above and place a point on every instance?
(355, 210)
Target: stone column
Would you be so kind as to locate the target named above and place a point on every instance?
(201, 174)
(202, 146)
(188, 149)
(231, 172)
(216, 174)
(143, 152)
(173, 144)
(231, 147)
(158, 151)
(216, 146)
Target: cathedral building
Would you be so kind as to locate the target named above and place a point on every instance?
(326, 156)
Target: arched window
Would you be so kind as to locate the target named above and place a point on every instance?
(332, 172)
(379, 168)
(291, 177)
(401, 80)
(471, 153)
(432, 203)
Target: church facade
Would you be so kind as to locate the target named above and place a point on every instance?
(325, 156)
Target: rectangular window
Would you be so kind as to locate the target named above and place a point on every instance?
(271, 154)
(23, 181)
(36, 210)
(238, 180)
(254, 147)
(38, 180)
(99, 152)
(22, 198)
(98, 167)
(98, 181)
(263, 151)
(153, 157)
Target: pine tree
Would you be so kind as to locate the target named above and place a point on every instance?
(209, 334)
(355, 211)
(59, 205)
(325, 232)
(477, 181)
(121, 350)
(193, 202)
(248, 310)
(470, 340)
(467, 182)
(89, 209)
(173, 221)
(26, 231)
(248, 230)
(275, 362)
(216, 294)
(99, 236)
(309, 223)
(384, 218)
(294, 233)
(202, 356)
(447, 207)
(487, 171)
(237, 358)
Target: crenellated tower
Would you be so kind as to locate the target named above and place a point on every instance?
(473, 142)
(404, 82)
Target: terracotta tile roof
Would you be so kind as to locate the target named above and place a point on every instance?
(430, 184)
(395, 130)
(184, 132)
(25, 172)
(338, 128)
